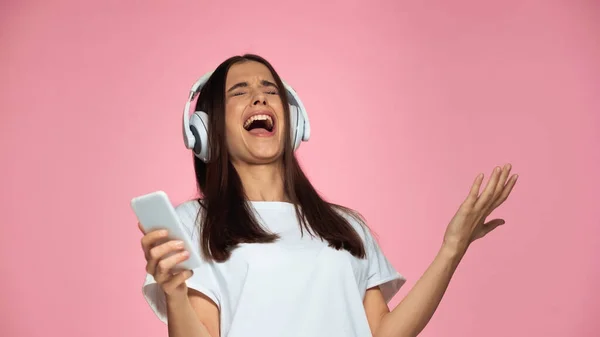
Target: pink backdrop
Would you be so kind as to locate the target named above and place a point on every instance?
(408, 102)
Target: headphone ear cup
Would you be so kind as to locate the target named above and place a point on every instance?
(199, 127)
(296, 126)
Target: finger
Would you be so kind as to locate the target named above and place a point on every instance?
(176, 280)
(165, 269)
(141, 228)
(149, 240)
(503, 177)
(164, 266)
(488, 227)
(474, 192)
(506, 191)
(498, 190)
(488, 192)
(160, 252)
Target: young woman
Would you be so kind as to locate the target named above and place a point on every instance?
(279, 260)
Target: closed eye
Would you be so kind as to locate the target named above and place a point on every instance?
(240, 93)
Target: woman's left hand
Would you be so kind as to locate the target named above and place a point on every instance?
(469, 222)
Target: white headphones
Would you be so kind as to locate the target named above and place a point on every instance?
(195, 127)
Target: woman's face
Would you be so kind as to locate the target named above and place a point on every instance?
(254, 115)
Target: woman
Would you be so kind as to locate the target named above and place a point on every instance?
(279, 260)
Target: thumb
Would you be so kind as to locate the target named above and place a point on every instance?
(488, 227)
(141, 228)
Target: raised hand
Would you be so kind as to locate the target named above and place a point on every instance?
(469, 222)
(161, 258)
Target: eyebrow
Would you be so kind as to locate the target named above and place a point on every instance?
(263, 83)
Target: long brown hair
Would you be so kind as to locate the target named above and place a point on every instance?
(227, 219)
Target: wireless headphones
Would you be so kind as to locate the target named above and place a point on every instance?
(195, 127)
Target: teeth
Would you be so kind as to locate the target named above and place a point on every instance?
(259, 117)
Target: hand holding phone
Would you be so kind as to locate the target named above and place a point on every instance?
(169, 251)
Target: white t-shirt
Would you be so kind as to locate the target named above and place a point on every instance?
(296, 286)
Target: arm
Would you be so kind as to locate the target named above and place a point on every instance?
(192, 315)
(414, 312)
(416, 309)
(189, 312)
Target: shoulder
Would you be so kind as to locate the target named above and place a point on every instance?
(356, 220)
(188, 208)
(188, 213)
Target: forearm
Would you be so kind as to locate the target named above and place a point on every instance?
(416, 309)
(183, 321)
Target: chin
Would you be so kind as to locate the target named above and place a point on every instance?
(263, 149)
(265, 157)
(257, 149)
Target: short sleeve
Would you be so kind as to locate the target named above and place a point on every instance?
(380, 271)
(203, 280)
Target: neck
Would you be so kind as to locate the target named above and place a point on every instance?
(262, 182)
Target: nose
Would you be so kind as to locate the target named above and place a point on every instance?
(259, 99)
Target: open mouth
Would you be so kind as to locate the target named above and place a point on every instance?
(260, 124)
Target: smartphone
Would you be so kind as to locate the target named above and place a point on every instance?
(155, 211)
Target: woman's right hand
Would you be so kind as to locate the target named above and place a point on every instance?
(161, 256)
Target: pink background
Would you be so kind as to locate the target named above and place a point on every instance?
(408, 102)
